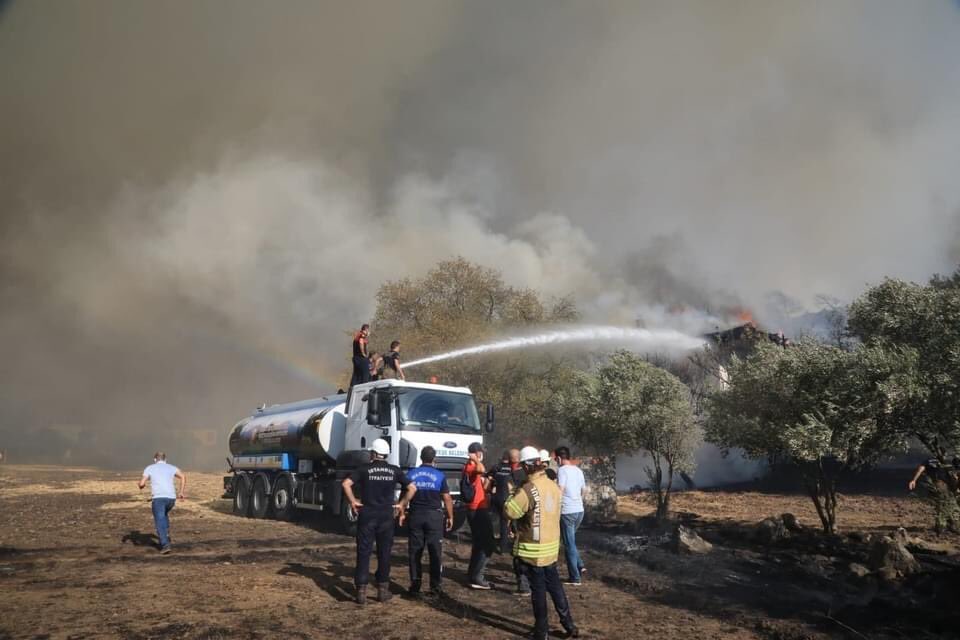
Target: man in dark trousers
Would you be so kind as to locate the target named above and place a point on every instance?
(518, 479)
(536, 508)
(501, 477)
(483, 543)
(361, 358)
(431, 513)
(373, 502)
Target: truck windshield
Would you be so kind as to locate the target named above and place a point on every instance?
(426, 410)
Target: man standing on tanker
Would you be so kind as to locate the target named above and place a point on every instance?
(536, 508)
(361, 359)
(161, 477)
(391, 362)
(376, 511)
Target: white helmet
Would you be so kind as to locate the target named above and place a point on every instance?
(529, 454)
(380, 447)
(544, 456)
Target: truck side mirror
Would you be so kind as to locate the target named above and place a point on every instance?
(378, 409)
(373, 409)
(386, 399)
(490, 418)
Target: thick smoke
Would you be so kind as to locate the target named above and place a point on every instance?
(198, 200)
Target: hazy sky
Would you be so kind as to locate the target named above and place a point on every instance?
(197, 199)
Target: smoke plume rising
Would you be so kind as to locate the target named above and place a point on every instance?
(198, 200)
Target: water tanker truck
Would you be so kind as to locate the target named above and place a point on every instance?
(291, 457)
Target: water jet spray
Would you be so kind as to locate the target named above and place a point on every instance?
(641, 339)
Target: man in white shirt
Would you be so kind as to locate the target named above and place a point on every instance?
(572, 484)
(161, 477)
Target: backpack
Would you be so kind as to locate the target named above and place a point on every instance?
(467, 491)
(503, 479)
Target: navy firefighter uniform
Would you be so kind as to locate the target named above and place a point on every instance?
(375, 486)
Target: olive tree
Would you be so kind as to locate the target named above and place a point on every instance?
(819, 407)
(458, 304)
(925, 318)
(628, 406)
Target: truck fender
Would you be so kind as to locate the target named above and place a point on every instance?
(334, 496)
(242, 480)
(289, 476)
(266, 482)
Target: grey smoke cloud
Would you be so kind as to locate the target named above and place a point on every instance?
(199, 199)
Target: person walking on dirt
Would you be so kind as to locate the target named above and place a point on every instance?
(161, 476)
(361, 362)
(391, 363)
(483, 543)
(572, 485)
(940, 488)
(431, 513)
(373, 503)
(536, 508)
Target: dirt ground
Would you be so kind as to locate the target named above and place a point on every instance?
(77, 560)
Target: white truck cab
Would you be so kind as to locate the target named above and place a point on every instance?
(412, 415)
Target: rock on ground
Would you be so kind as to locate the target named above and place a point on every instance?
(858, 570)
(891, 559)
(600, 501)
(621, 545)
(919, 545)
(791, 523)
(687, 541)
(771, 530)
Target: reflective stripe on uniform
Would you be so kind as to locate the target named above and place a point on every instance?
(537, 549)
(514, 511)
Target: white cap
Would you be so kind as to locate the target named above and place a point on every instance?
(544, 455)
(529, 454)
(380, 447)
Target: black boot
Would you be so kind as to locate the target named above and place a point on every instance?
(362, 594)
(383, 592)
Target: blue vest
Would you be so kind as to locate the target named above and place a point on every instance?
(431, 485)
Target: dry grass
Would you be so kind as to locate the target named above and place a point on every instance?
(853, 511)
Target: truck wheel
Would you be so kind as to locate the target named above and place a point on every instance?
(348, 519)
(241, 495)
(259, 500)
(281, 501)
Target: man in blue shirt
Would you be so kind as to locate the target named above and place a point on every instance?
(161, 475)
(573, 484)
(431, 513)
